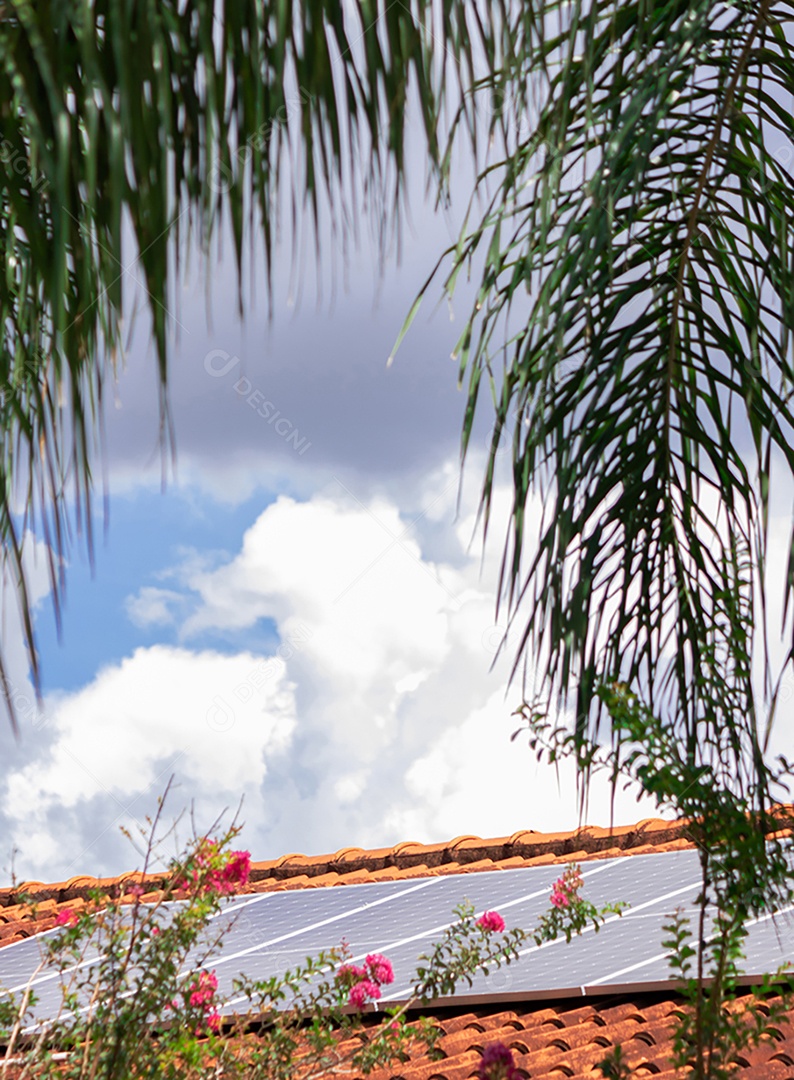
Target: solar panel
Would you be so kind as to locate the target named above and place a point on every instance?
(267, 933)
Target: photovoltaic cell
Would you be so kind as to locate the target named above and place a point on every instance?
(265, 934)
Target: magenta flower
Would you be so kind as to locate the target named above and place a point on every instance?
(380, 968)
(350, 973)
(491, 921)
(565, 891)
(213, 871)
(497, 1063)
(237, 869)
(362, 991)
(66, 917)
(203, 990)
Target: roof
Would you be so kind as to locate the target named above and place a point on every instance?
(570, 1041)
(31, 906)
(567, 1039)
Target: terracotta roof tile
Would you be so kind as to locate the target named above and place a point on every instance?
(565, 1039)
(409, 859)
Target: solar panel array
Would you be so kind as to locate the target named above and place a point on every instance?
(267, 933)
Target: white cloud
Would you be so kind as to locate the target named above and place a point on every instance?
(151, 606)
(160, 710)
(15, 656)
(379, 719)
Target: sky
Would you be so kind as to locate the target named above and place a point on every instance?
(300, 625)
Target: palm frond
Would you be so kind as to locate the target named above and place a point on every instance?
(644, 230)
(149, 119)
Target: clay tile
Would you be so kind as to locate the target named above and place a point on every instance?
(293, 859)
(674, 845)
(617, 1013)
(20, 935)
(508, 1019)
(30, 887)
(455, 868)
(358, 877)
(577, 856)
(496, 845)
(386, 873)
(458, 1023)
(550, 838)
(660, 1011)
(596, 832)
(524, 836)
(345, 854)
(432, 849)
(584, 1014)
(109, 882)
(453, 844)
(322, 880)
(554, 1021)
(541, 860)
(82, 882)
(655, 825)
(509, 864)
(407, 847)
(420, 870)
(611, 853)
(13, 911)
(538, 1018)
(263, 868)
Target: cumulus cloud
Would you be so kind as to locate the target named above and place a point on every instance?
(152, 606)
(381, 716)
(112, 746)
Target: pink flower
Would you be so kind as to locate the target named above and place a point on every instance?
(66, 917)
(362, 991)
(350, 973)
(136, 890)
(214, 1021)
(496, 1063)
(213, 871)
(380, 968)
(237, 869)
(203, 991)
(565, 891)
(491, 921)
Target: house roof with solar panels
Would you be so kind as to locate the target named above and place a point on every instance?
(559, 1008)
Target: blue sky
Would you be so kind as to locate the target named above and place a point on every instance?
(148, 533)
(304, 624)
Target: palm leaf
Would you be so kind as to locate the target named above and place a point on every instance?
(649, 227)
